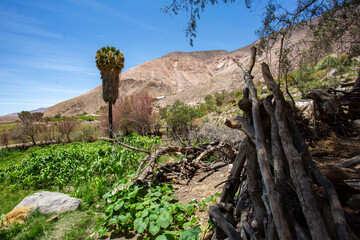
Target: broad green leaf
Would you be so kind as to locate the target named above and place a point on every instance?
(180, 217)
(134, 192)
(118, 205)
(153, 216)
(164, 237)
(174, 233)
(106, 195)
(139, 206)
(140, 224)
(112, 221)
(109, 208)
(190, 233)
(153, 228)
(165, 198)
(102, 231)
(124, 218)
(186, 225)
(145, 213)
(138, 214)
(164, 219)
(208, 199)
(161, 237)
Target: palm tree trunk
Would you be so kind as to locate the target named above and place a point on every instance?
(111, 134)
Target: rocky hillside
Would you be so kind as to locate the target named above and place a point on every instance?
(187, 76)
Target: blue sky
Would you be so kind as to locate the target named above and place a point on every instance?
(47, 48)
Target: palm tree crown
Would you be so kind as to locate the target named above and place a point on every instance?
(110, 62)
(109, 59)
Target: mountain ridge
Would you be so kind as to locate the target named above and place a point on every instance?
(187, 76)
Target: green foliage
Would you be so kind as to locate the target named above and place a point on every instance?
(151, 211)
(208, 97)
(179, 117)
(69, 225)
(220, 98)
(89, 167)
(89, 118)
(236, 93)
(109, 59)
(329, 61)
(308, 77)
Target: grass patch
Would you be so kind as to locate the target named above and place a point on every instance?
(72, 225)
(34, 228)
(10, 197)
(7, 126)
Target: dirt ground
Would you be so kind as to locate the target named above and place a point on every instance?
(204, 185)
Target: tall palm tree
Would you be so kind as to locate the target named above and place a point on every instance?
(110, 62)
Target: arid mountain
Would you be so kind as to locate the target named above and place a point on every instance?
(187, 76)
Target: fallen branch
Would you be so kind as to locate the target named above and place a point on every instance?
(349, 163)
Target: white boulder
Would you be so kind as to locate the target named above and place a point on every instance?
(50, 202)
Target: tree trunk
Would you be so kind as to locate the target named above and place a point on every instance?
(111, 133)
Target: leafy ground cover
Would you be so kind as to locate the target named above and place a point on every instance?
(88, 168)
(150, 211)
(83, 170)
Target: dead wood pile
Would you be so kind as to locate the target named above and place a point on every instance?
(336, 110)
(281, 192)
(183, 171)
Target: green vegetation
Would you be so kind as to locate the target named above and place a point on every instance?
(70, 225)
(88, 118)
(324, 74)
(88, 171)
(90, 168)
(151, 211)
(7, 126)
(179, 118)
(83, 170)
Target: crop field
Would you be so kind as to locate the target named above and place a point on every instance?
(83, 170)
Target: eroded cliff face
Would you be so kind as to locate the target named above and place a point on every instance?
(187, 76)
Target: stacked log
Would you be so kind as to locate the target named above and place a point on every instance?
(290, 198)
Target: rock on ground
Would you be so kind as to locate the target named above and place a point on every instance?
(50, 202)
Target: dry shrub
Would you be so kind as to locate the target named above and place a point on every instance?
(131, 114)
(66, 126)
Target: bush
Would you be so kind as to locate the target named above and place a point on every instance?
(132, 114)
(179, 117)
(208, 97)
(219, 98)
(5, 139)
(328, 61)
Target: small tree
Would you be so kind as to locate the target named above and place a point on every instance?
(37, 116)
(28, 126)
(5, 139)
(179, 119)
(66, 127)
(51, 132)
